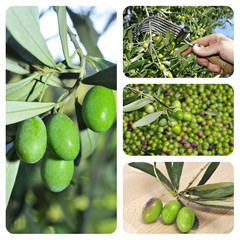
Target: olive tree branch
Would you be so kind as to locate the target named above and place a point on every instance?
(195, 177)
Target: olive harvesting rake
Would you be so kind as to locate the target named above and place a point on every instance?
(161, 26)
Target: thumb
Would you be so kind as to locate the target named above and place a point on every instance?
(205, 51)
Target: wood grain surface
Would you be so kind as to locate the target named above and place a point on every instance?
(139, 187)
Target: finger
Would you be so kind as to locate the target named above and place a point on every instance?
(215, 68)
(206, 51)
(186, 51)
(206, 41)
(203, 61)
(212, 67)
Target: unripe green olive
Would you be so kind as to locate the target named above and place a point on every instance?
(152, 210)
(163, 122)
(170, 211)
(185, 219)
(187, 116)
(31, 140)
(56, 174)
(149, 108)
(176, 104)
(62, 137)
(176, 129)
(98, 108)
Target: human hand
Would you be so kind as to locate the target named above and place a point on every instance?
(210, 45)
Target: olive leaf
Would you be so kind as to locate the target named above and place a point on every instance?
(101, 62)
(137, 104)
(174, 172)
(62, 26)
(12, 165)
(17, 111)
(211, 113)
(214, 190)
(209, 172)
(17, 66)
(129, 100)
(106, 78)
(148, 119)
(21, 23)
(149, 169)
(214, 203)
(135, 64)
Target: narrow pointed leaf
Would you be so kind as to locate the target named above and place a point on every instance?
(169, 168)
(215, 203)
(129, 100)
(215, 190)
(177, 172)
(21, 23)
(148, 119)
(101, 62)
(209, 172)
(15, 66)
(62, 28)
(137, 104)
(148, 168)
(12, 166)
(17, 111)
(106, 78)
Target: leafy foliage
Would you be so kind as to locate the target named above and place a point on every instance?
(161, 56)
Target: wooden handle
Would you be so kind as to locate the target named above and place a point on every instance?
(226, 66)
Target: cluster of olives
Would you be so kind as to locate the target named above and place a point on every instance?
(57, 143)
(172, 211)
(200, 121)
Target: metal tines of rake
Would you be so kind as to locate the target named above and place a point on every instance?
(159, 25)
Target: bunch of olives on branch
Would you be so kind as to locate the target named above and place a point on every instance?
(171, 212)
(58, 143)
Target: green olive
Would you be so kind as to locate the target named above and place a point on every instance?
(149, 108)
(152, 210)
(56, 174)
(98, 108)
(176, 104)
(178, 115)
(176, 129)
(187, 116)
(163, 122)
(170, 211)
(62, 137)
(31, 140)
(185, 219)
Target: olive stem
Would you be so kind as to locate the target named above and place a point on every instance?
(195, 177)
(44, 87)
(171, 192)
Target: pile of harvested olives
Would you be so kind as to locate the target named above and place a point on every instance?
(193, 119)
(172, 211)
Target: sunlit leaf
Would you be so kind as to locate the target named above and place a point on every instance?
(23, 26)
(148, 119)
(17, 111)
(137, 104)
(15, 66)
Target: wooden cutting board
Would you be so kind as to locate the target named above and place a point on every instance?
(139, 187)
